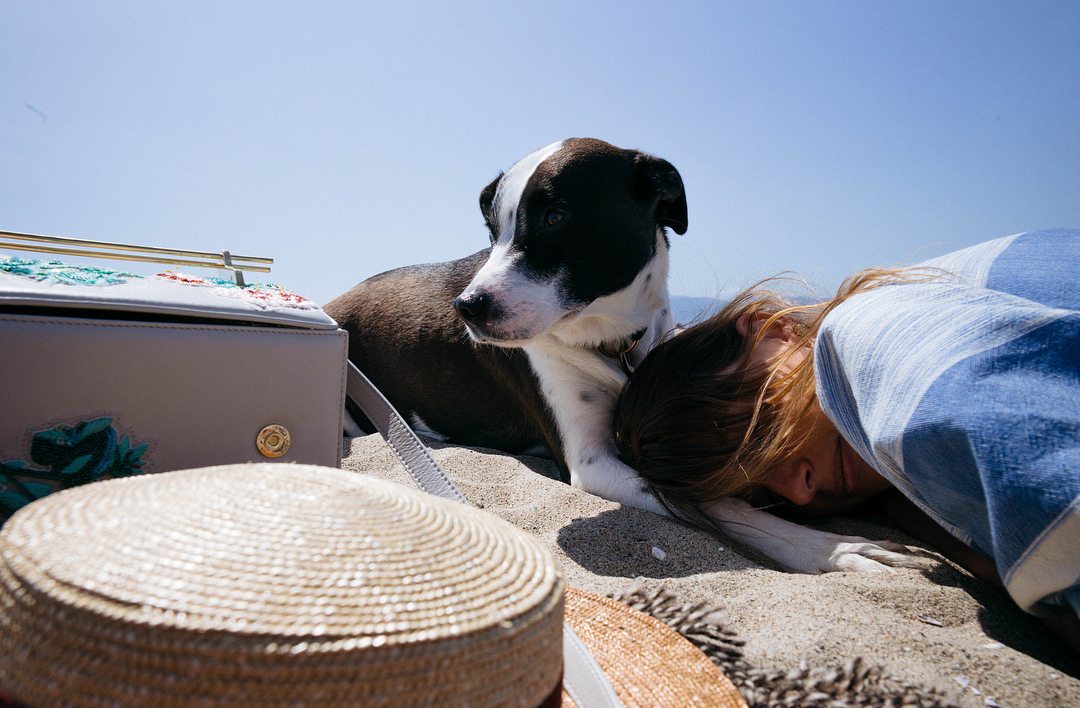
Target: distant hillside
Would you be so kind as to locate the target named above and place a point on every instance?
(689, 308)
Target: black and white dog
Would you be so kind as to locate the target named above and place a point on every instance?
(523, 346)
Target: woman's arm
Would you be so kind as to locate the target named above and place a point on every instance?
(914, 522)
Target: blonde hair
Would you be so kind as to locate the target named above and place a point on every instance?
(699, 421)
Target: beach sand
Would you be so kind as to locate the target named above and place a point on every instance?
(972, 642)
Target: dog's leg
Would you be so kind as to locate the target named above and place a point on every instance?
(797, 548)
(802, 549)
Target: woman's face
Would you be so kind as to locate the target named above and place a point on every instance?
(824, 475)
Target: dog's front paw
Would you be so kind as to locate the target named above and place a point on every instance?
(802, 549)
(854, 553)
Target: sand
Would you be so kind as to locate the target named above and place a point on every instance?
(938, 626)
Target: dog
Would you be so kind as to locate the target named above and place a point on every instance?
(524, 346)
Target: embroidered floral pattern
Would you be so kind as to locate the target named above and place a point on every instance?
(262, 294)
(58, 272)
(70, 455)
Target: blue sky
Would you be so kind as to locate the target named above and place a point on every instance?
(344, 139)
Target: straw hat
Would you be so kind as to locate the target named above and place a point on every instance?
(292, 585)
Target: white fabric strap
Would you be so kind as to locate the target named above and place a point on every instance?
(583, 678)
(419, 463)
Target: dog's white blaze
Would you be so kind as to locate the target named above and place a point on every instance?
(497, 270)
(512, 185)
(534, 304)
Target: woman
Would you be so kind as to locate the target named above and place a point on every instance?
(947, 393)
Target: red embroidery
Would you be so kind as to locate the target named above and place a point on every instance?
(270, 295)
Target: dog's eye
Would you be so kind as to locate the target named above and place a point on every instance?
(553, 217)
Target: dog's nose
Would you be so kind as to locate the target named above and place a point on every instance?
(473, 306)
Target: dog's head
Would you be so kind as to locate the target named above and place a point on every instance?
(576, 227)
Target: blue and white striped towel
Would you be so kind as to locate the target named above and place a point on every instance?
(964, 392)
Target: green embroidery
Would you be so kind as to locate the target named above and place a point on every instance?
(59, 272)
(70, 455)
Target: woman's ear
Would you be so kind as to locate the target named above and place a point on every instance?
(750, 324)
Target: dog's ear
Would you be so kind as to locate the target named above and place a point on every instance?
(487, 196)
(658, 179)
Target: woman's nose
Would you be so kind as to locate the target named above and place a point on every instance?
(793, 481)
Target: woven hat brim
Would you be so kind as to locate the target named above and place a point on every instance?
(648, 663)
(273, 585)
